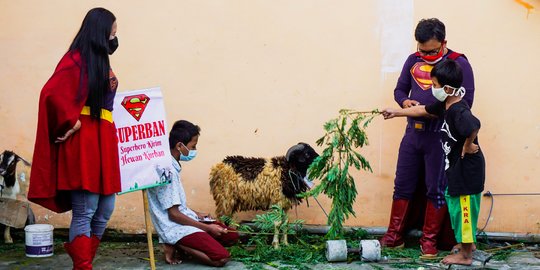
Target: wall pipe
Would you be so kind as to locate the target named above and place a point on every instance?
(379, 231)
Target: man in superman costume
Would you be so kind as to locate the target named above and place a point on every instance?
(420, 154)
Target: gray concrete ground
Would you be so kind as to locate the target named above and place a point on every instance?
(131, 253)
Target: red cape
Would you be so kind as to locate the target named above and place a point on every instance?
(87, 160)
(59, 110)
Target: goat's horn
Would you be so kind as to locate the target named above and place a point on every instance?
(24, 161)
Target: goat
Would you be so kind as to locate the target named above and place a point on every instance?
(242, 183)
(9, 186)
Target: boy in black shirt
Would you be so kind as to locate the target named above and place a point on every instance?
(465, 165)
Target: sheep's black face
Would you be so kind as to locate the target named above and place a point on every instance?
(300, 157)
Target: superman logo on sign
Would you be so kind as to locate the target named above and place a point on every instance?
(421, 73)
(135, 105)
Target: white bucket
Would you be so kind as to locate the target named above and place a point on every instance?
(39, 240)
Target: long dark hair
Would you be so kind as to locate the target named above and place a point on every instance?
(92, 42)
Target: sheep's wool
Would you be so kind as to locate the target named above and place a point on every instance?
(232, 193)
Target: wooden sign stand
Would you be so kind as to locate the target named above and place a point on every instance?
(148, 230)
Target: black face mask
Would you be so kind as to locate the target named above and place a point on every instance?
(113, 45)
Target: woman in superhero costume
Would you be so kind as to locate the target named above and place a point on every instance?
(75, 163)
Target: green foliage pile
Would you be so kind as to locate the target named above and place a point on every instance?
(344, 135)
(304, 250)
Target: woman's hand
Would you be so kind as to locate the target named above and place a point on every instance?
(69, 132)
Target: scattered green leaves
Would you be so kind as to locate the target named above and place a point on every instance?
(502, 255)
(412, 253)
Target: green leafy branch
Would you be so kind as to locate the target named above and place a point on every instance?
(276, 221)
(229, 221)
(344, 135)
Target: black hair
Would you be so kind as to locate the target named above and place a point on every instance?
(428, 29)
(182, 131)
(92, 42)
(448, 72)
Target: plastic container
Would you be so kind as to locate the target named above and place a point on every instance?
(39, 240)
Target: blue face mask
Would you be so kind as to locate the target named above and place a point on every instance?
(191, 155)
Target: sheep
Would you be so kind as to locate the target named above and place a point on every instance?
(9, 186)
(245, 183)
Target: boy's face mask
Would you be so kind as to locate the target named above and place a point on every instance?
(191, 155)
(441, 95)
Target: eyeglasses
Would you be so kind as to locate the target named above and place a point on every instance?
(429, 53)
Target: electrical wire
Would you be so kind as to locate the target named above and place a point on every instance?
(491, 195)
(320, 206)
(315, 198)
(481, 232)
(487, 194)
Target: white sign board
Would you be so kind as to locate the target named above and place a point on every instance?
(143, 145)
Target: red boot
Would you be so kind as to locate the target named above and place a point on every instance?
(394, 236)
(94, 246)
(432, 226)
(80, 252)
